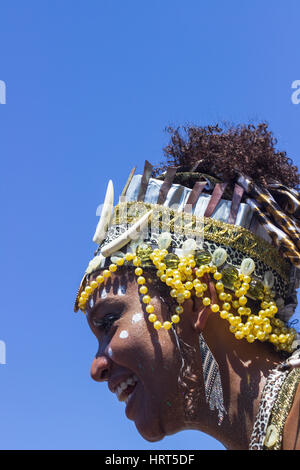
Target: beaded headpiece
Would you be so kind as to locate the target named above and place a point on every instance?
(240, 237)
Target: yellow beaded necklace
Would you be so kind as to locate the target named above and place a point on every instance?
(184, 276)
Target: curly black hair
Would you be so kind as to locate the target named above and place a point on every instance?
(223, 153)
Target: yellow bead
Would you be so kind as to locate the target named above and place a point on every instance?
(163, 278)
(199, 272)
(88, 290)
(224, 314)
(106, 273)
(146, 299)
(169, 281)
(217, 276)
(149, 308)
(175, 318)
(167, 325)
(157, 325)
(273, 339)
(226, 306)
(189, 285)
(204, 286)
(243, 291)
(235, 320)
(138, 271)
(206, 301)
(242, 300)
(187, 294)
(223, 296)
(273, 309)
(219, 285)
(250, 338)
(113, 267)
(141, 280)
(143, 290)
(152, 318)
(229, 298)
(282, 338)
(241, 311)
(215, 308)
(247, 279)
(129, 257)
(261, 335)
(120, 261)
(179, 309)
(239, 334)
(232, 328)
(162, 266)
(100, 279)
(180, 298)
(94, 285)
(235, 304)
(178, 284)
(136, 261)
(199, 294)
(173, 292)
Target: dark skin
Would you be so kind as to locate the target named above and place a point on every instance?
(128, 344)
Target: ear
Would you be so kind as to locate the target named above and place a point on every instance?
(202, 312)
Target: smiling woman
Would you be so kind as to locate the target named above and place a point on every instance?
(192, 287)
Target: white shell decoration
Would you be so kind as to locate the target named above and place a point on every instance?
(219, 257)
(247, 266)
(269, 279)
(272, 436)
(106, 214)
(189, 246)
(95, 263)
(116, 256)
(127, 236)
(164, 240)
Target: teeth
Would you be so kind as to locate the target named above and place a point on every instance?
(123, 385)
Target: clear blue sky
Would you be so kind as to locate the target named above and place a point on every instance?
(90, 86)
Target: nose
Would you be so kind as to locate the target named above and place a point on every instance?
(100, 368)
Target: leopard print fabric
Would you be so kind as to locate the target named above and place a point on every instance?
(269, 395)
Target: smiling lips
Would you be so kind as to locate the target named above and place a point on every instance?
(125, 388)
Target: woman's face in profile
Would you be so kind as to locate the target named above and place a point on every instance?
(140, 365)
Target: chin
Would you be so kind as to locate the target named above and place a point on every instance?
(150, 433)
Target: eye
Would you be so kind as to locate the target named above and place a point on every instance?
(105, 324)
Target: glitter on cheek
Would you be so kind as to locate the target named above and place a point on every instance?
(137, 317)
(124, 334)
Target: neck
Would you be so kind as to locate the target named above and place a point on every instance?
(243, 369)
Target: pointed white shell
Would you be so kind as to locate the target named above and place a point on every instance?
(105, 214)
(126, 237)
(95, 263)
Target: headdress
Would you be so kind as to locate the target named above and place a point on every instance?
(245, 237)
